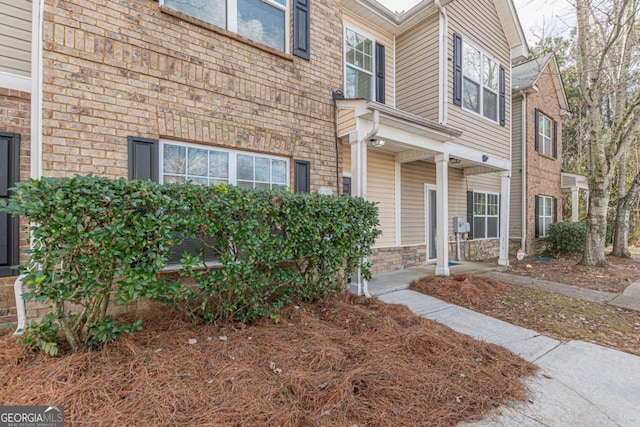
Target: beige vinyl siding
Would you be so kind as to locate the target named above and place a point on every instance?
(346, 159)
(381, 189)
(384, 39)
(15, 37)
(414, 177)
(477, 22)
(418, 69)
(515, 219)
(346, 122)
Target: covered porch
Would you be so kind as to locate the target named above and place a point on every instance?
(417, 173)
(574, 183)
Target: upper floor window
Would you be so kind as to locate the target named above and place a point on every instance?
(479, 82)
(546, 133)
(211, 166)
(359, 65)
(263, 21)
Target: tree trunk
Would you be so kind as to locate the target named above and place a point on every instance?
(621, 235)
(593, 254)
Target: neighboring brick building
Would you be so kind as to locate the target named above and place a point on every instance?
(539, 104)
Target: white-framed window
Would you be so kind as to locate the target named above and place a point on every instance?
(545, 141)
(359, 64)
(545, 215)
(180, 162)
(480, 82)
(264, 21)
(486, 208)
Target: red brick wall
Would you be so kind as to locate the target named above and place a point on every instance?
(543, 172)
(15, 113)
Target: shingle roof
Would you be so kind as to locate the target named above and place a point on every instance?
(525, 75)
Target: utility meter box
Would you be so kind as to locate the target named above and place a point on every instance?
(459, 224)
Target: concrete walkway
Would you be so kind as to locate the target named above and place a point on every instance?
(579, 384)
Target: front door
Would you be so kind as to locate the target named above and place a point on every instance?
(431, 228)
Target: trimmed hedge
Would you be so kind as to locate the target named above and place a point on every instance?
(98, 237)
(566, 237)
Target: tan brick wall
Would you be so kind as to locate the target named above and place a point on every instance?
(126, 67)
(543, 173)
(15, 113)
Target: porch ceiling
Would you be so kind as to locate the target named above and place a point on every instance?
(413, 138)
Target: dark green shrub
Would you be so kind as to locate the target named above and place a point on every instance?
(93, 239)
(96, 239)
(566, 237)
(272, 246)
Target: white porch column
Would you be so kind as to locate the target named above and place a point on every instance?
(575, 203)
(442, 214)
(505, 191)
(358, 189)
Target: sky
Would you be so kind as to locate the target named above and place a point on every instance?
(554, 16)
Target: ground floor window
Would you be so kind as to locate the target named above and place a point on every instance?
(210, 166)
(545, 214)
(485, 215)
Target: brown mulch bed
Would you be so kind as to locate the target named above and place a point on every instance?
(551, 314)
(615, 277)
(342, 361)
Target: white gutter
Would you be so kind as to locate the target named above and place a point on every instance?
(37, 17)
(442, 77)
(523, 173)
(362, 191)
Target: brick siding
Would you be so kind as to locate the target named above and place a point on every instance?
(543, 172)
(127, 67)
(15, 113)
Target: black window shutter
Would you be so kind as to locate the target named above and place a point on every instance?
(380, 74)
(457, 69)
(9, 229)
(536, 128)
(302, 28)
(470, 213)
(555, 139)
(537, 216)
(144, 159)
(302, 176)
(502, 97)
(346, 185)
(555, 210)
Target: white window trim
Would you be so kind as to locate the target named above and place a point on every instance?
(542, 137)
(486, 216)
(373, 59)
(232, 19)
(543, 201)
(483, 54)
(233, 164)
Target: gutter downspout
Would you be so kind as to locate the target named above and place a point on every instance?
(523, 173)
(443, 58)
(362, 190)
(37, 19)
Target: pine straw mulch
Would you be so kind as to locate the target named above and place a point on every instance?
(551, 314)
(615, 277)
(341, 361)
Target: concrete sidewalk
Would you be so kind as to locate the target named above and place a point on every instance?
(580, 384)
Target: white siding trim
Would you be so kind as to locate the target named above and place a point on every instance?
(15, 82)
(398, 201)
(37, 18)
